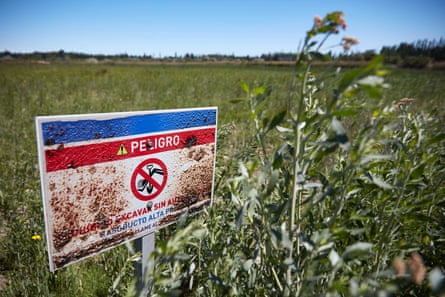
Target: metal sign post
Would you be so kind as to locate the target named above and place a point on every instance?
(145, 246)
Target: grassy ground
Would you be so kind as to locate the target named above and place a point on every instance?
(28, 90)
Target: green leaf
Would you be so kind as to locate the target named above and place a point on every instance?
(356, 250)
(259, 90)
(375, 63)
(199, 233)
(240, 216)
(276, 120)
(348, 78)
(285, 241)
(273, 179)
(247, 264)
(275, 236)
(337, 126)
(417, 183)
(333, 257)
(375, 158)
(340, 287)
(340, 133)
(381, 183)
(276, 210)
(333, 16)
(261, 93)
(345, 112)
(253, 203)
(283, 129)
(325, 247)
(326, 148)
(352, 75)
(372, 91)
(325, 29)
(245, 87)
(436, 139)
(308, 186)
(417, 171)
(417, 218)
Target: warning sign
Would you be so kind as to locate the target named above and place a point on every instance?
(110, 178)
(149, 179)
(122, 150)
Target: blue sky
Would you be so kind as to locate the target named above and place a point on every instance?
(169, 27)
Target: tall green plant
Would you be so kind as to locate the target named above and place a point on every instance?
(337, 195)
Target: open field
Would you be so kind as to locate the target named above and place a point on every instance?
(29, 90)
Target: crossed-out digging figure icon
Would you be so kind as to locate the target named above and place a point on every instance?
(144, 184)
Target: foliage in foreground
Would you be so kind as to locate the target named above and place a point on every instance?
(315, 207)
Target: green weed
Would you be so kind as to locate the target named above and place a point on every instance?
(314, 207)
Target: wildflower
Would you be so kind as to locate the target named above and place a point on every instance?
(399, 266)
(417, 268)
(402, 102)
(405, 100)
(36, 237)
(318, 22)
(341, 21)
(350, 40)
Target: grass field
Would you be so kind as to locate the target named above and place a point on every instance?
(29, 90)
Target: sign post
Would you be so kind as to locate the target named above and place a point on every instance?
(114, 177)
(146, 246)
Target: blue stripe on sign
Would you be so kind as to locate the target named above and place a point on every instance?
(57, 132)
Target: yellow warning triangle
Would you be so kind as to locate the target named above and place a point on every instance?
(122, 150)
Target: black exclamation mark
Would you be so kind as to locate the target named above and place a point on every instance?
(122, 150)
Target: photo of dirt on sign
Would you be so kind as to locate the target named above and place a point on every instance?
(194, 187)
(81, 204)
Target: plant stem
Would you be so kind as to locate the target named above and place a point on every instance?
(295, 208)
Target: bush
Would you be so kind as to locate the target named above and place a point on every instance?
(336, 195)
(416, 62)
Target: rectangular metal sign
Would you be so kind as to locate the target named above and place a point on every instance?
(113, 177)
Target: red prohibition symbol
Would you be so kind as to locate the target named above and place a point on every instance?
(149, 179)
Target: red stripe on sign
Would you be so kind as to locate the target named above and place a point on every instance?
(82, 155)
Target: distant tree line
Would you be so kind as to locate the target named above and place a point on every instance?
(419, 54)
(62, 55)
